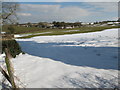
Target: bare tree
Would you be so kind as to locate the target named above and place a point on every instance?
(9, 16)
(9, 10)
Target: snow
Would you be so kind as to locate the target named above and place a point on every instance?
(71, 30)
(47, 73)
(102, 38)
(88, 60)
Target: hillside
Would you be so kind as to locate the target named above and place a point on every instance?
(88, 60)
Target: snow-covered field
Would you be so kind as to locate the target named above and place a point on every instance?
(88, 60)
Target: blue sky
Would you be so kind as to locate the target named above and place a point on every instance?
(67, 11)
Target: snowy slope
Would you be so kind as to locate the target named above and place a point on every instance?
(86, 60)
(38, 72)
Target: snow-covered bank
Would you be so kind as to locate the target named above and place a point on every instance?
(38, 72)
(88, 60)
(104, 38)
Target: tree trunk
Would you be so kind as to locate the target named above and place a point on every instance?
(9, 68)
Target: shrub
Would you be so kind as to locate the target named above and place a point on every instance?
(12, 46)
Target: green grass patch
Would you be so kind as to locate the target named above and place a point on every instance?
(36, 31)
(66, 31)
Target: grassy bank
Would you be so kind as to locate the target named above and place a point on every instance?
(36, 31)
(69, 31)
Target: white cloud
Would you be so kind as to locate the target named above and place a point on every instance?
(105, 6)
(57, 12)
(54, 12)
(115, 18)
(24, 14)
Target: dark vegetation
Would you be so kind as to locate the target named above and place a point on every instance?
(12, 46)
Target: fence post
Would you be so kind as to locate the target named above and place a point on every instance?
(5, 74)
